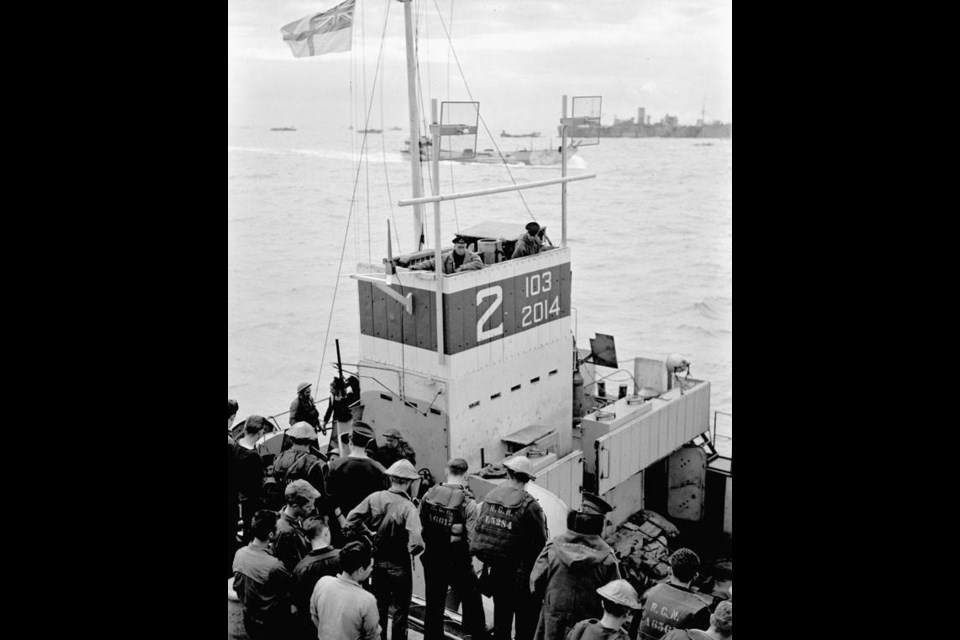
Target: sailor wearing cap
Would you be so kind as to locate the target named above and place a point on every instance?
(391, 517)
(617, 598)
(303, 409)
(531, 242)
(511, 532)
(571, 568)
(353, 477)
(460, 259)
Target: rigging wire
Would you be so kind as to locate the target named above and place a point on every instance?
(366, 158)
(482, 121)
(453, 186)
(353, 200)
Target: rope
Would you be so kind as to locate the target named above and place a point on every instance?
(353, 200)
(482, 121)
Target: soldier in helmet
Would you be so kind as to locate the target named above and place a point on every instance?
(390, 518)
(674, 605)
(617, 598)
(571, 568)
(396, 448)
(303, 409)
(511, 531)
(301, 461)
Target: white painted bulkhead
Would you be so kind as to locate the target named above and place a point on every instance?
(486, 392)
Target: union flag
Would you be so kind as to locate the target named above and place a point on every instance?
(329, 31)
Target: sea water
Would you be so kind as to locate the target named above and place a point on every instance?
(651, 240)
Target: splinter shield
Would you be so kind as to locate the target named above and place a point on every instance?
(458, 130)
(584, 125)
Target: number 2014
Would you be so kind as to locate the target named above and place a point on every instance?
(537, 312)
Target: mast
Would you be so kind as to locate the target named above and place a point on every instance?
(414, 124)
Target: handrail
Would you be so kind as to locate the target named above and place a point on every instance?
(482, 192)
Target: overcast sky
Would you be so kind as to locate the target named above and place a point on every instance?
(519, 57)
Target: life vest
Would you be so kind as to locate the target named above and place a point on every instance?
(498, 535)
(669, 607)
(441, 513)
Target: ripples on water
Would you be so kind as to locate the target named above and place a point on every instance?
(651, 241)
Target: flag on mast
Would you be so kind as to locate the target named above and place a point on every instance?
(329, 31)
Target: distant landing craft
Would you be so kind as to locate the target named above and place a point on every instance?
(504, 134)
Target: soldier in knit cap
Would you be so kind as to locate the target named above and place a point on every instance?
(448, 513)
(530, 243)
(571, 568)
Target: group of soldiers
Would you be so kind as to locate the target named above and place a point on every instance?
(337, 556)
(530, 243)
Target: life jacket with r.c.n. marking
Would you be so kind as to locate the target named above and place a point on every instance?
(498, 534)
(441, 513)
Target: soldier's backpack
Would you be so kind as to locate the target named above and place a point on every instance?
(498, 534)
(441, 513)
(289, 466)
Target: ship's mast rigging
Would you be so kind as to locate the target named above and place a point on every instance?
(414, 114)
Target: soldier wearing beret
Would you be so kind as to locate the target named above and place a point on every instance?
(571, 567)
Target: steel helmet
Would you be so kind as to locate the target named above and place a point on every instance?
(302, 386)
(520, 464)
(302, 431)
(621, 592)
(403, 469)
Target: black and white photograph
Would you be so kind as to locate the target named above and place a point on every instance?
(480, 320)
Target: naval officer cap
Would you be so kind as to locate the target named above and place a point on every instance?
(594, 504)
(302, 431)
(520, 464)
(621, 592)
(302, 386)
(403, 469)
(533, 228)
